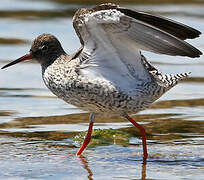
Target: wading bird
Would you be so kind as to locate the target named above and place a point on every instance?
(108, 74)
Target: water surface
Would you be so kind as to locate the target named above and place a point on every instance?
(40, 134)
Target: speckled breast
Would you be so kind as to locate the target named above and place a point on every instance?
(97, 95)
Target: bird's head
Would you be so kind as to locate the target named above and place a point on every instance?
(45, 49)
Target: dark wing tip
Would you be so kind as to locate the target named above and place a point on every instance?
(196, 54)
(193, 52)
(187, 50)
(3, 67)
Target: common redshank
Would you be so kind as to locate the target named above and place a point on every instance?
(108, 74)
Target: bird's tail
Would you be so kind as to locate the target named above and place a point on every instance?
(164, 80)
(169, 80)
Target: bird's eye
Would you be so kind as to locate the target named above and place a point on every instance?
(44, 48)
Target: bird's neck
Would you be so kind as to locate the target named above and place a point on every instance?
(58, 59)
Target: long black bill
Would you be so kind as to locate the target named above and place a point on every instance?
(21, 59)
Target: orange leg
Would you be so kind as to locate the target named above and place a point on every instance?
(142, 131)
(88, 135)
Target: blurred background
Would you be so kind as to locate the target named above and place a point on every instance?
(40, 133)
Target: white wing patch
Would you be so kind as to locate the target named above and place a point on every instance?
(117, 62)
(105, 16)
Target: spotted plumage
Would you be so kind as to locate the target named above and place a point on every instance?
(108, 74)
(166, 80)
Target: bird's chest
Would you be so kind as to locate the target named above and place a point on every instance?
(73, 88)
(62, 82)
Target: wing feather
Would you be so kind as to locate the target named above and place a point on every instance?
(152, 33)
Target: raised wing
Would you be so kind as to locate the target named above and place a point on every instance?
(152, 33)
(112, 37)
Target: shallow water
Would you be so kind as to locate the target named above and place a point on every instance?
(39, 133)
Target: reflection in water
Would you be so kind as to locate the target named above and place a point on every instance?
(143, 171)
(85, 164)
